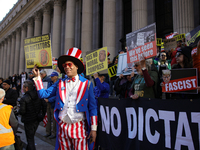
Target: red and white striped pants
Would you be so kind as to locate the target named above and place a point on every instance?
(73, 136)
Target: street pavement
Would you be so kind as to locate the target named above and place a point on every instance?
(41, 142)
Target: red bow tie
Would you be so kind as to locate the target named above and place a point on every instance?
(73, 79)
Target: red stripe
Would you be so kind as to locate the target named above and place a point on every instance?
(61, 142)
(65, 88)
(60, 91)
(70, 51)
(78, 53)
(77, 130)
(65, 136)
(79, 89)
(84, 89)
(82, 144)
(81, 127)
(39, 86)
(72, 131)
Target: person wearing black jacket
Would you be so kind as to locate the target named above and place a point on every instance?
(11, 95)
(122, 89)
(30, 106)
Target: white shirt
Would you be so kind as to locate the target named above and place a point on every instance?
(69, 114)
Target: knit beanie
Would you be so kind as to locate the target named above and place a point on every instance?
(7, 81)
(186, 51)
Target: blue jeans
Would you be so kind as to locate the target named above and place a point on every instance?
(9, 147)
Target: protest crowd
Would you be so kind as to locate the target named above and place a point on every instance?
(34, 95)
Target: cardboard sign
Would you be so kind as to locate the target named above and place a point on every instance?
(179, 37)
(142, 41)
(38, 51)
(124, 67)
(169, 44)
(180, 80)
(96, 61)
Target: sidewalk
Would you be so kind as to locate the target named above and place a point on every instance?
(40, 141)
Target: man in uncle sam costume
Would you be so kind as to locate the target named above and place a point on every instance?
(75, 107)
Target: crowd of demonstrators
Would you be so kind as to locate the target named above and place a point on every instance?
(61, 96)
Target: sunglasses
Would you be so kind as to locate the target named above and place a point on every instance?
(163, 55)
(67, 64)
(136, 65)
(178, 54)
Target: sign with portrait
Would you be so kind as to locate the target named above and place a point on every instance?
(180, 80)
(142, 41)
(96, 61)
(38, 51)
(192, 36)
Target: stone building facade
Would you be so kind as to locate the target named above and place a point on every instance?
(88, 25)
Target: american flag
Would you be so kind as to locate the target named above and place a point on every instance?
(45, 120)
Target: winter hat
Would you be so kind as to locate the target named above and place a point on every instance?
(186, 51)
(7, 81)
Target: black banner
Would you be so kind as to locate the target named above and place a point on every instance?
(149, 124)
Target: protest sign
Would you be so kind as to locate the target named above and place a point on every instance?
(192, 35)
(38, 51)
(169, 36)
(148, 124)
(159, 41)
(180, 81)
(112, 70)
(169, 44)
(97, 61)
(123, 67)
(179, 37)
(142, 41)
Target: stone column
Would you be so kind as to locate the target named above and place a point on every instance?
(38, 23)
(96, 24)
(139, 14)
(86, 33)
(8, 56)
(109, 22)
(1, 57)
(17, 51)
(46, 19)
(183, 16)
(30, 28)
(12, 54)
(56, 28)
(22, 61)
(5, 58)
(70, 24)
(30, 33)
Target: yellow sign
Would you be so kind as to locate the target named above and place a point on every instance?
(112, 71)
(96, 61)
(179, 37)
(159, 41)
(38, 51)
(162, 45)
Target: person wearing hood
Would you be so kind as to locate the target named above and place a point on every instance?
(30, 104)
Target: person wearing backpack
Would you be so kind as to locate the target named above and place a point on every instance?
(30, 106)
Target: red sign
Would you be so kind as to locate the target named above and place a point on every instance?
(148, 49)
(182, 84)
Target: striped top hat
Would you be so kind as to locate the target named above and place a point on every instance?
(73, 54)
